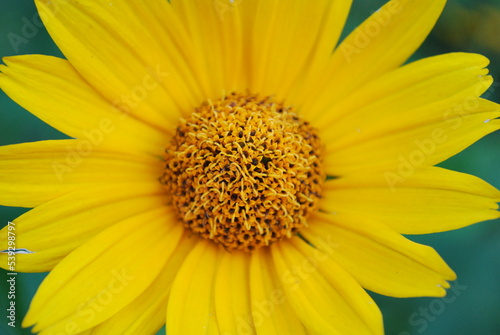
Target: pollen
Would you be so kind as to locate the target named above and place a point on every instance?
(244, 171)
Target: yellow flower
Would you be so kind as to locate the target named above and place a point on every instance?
(230, 174)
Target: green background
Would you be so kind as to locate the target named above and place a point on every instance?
(473, 252)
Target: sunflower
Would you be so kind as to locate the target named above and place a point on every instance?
(233, 169)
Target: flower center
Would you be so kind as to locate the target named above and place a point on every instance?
(244, 171)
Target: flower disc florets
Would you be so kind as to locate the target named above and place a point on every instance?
(244, 171)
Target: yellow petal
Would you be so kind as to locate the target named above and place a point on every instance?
(380, 259)
(334, 18)
(325, 298)
(191, 307)
(129, 52)
(303, 36)
(271, 309)
(33, 173)
(146, 314)
(414, 201)
(54, 229)
(86, 332)
(418, 145)
(261, 64)
(52, 89)
(232, 294)
(380, 44)
(418, 93)
(214, 31)
(116, 262)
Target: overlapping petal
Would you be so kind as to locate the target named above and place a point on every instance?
(410, 95)
(105, 274)
(271, 309)
(146, 314)
(232, 294)
(54, 229)
(191, 305)
(414, 201)
(279, 60)
(420, 145)
(214, 30)
(54, 91)
(325, 298)
(134, 54)
(33, 173)
(380, 44)
(409, 114)
(379, 258)
(245, 56)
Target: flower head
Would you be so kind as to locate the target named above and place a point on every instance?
(232, 169)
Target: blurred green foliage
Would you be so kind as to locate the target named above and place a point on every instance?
(472, 307)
